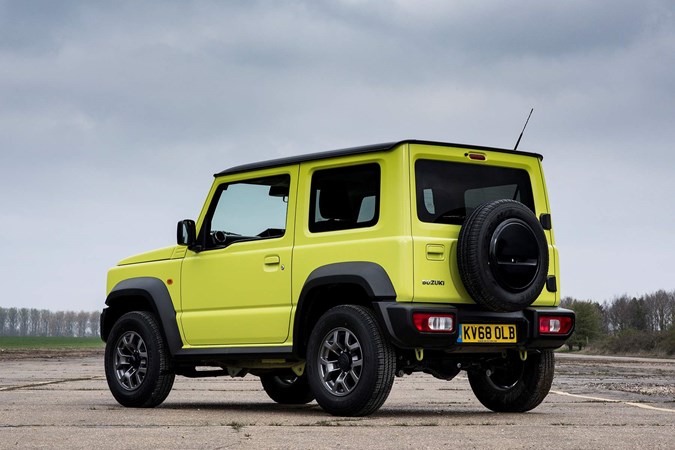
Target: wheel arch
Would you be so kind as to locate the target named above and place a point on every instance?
(142, 294)
(357, 283)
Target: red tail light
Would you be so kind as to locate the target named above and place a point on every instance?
(434, 322)
(555, 324)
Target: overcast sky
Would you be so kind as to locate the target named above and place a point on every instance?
(115, 115)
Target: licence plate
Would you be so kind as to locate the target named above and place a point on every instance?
(486, 333)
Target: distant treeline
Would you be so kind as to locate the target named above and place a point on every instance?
(42, 322)
(634, 325)
(644, 324)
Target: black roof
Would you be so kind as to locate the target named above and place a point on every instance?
(356, 151)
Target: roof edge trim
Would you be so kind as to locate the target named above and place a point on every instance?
(387, 146)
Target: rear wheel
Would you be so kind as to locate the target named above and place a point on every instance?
(350, 365)
(515, 385)
(287, 388)
(137, 362)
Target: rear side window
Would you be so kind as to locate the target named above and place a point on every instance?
(345, 198)
(448, 192)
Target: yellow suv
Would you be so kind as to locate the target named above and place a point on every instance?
(329, 274)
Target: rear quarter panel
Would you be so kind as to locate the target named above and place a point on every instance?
(387, 243)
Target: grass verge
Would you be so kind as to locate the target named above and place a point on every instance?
(46, 343)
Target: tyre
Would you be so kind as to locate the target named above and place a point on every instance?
(350, 365)
(287, 388)
(517, 386)
(137, 362)
(502, 256)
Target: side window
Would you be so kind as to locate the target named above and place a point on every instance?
(248, 210)
(345, 198)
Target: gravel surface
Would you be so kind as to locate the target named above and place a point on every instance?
(63, 402)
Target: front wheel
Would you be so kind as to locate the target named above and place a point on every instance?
(350, 365)
(137, 362)
(515, 385)
(287, 388)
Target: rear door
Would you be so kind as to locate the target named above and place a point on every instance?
(448, 184)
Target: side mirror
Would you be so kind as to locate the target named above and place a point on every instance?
(186, 234)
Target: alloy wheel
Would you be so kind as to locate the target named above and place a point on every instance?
(131, 360)
(340, 361)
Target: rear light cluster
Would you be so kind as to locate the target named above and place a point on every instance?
(434, 322)
(555, 324)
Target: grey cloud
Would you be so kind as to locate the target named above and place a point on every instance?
(115, 115)
(35, 27)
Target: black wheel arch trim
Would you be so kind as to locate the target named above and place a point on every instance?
(370, 276)
(157, 295)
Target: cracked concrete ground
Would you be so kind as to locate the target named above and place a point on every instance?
(596, 402)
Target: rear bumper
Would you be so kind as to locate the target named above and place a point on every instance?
(396, 317)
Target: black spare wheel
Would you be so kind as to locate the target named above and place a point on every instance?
(502, 256)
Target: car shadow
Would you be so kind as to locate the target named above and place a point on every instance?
(314, 410)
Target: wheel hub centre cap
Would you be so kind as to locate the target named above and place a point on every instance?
(136, 360)
(345, 361)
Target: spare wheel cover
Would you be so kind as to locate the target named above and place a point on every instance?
(502, 256)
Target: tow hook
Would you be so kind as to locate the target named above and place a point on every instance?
(419, 354)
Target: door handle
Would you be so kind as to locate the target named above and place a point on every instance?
(435, 252)
(272, 260)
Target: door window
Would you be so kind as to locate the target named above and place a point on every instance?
(248, 210)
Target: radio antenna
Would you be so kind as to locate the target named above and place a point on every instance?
(521, 133)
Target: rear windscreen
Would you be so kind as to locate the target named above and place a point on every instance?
(447, 192)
